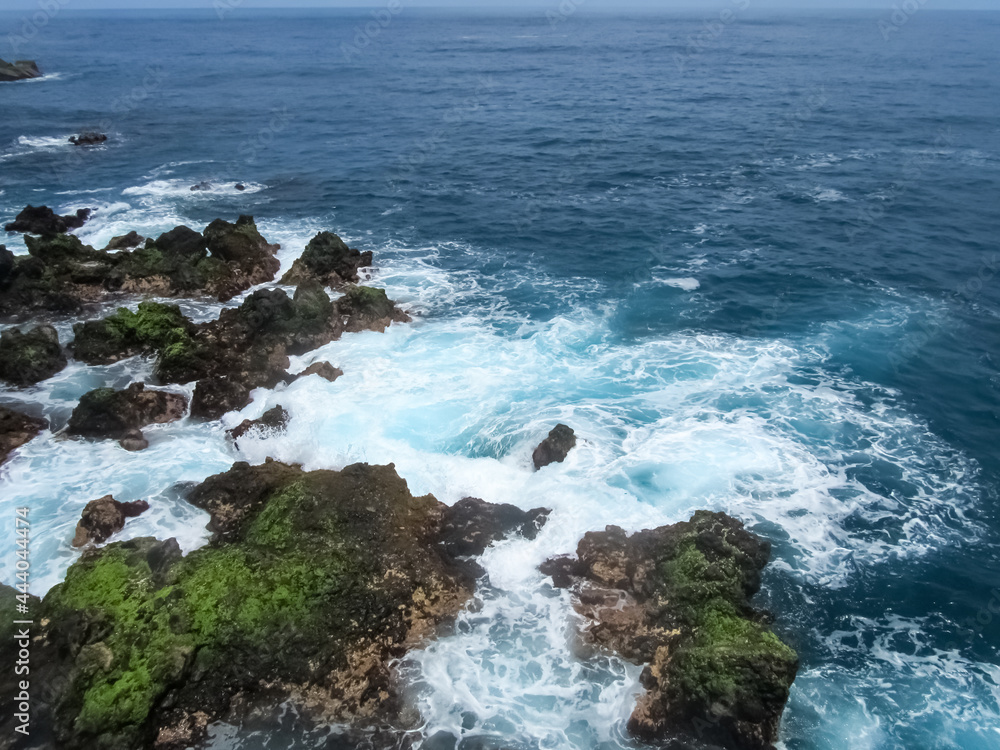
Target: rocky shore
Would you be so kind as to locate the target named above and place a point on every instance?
(19, 70)
(315, 582)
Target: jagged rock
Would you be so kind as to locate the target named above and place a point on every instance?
(215, 396)
(28, 357)
(107, 413)
(328, 260)
(89, 138)
(677, 599)
(43, 220)
(18, 70)
(555, 447)
(154, 327)
(62, 274)
(7, 263)
(16, 429)
(324, 369)
(273, 420)
(365, 308)
(104, 517)
(311, 587)
(471, 525)
(124, 242)
(204, 185)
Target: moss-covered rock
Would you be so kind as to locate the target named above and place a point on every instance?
(677, 599)
(28, 357)
(107, 413)
(152, 329)
(16, 429)
(328, 260)
(313, 584)
(365, 308)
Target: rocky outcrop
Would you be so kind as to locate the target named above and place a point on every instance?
(555, 447)
(471, 525)
(62, 274)
(120, 415)
(312, 585)
(43, 220)
(677, 599)
(324, 369)
(88, 138)
(28, 357)
(272, 421)
(328, 260)
(124, 242)
(154, 327)
(16, 429)
(19, 70)
(104, 517)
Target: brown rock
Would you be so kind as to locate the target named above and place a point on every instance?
(104, 517)
(16, 429)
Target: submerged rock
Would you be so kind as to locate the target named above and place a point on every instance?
(16, 429)
(88, 138)
(43, 220)
(328, 260)
(105, 517)
(555, 447)
(677, 599)
(312, 585)
(19, 70)
(107, 413)
(28, 357)
(273, 420)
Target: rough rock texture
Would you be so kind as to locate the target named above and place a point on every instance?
(555, 447)
(104, 517)
(471, 525)
(62, 274)
(18, 70)
(28, 357)
(273, 420)
(88, 139)
(7, 263)
(154, 328)
(107, 413)
(43, 220)
(16, 429)
(328, 260)
(324, 369)
(125, 242)
(312, 584)
(677, 599)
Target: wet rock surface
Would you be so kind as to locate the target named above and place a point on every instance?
(89, 138)
(328, 260)
(118, 415)
(16, 429)
(42, 220)
(555, 447)
(471, 525)
(30, 356)
(677, 600)
(19, 70)
(104, 517)
(313, 583)
(271, 421)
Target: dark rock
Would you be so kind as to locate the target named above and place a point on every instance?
(364, 308)
(555, 447)
(124, 242)
(134, 441)
(324, 369)
(241, 187)
(471, 525)
(328, 260)
(88, 139)
(273, 420)
(7, 263)
(677, 599)
(154, 328)
(182, 241)
(43, 220)
(16, 429)
(19, 70)
(107, 413)
(104, 517)
(215, 396)
(29, 357)
(205, 185)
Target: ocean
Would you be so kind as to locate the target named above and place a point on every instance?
(751, 258)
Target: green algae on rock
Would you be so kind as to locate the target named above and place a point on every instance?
(677, 599)
(107, 413)
(152, 329)
(313, 583)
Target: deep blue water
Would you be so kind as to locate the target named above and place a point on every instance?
(754, 263)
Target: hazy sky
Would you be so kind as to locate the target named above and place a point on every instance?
(536, 5)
